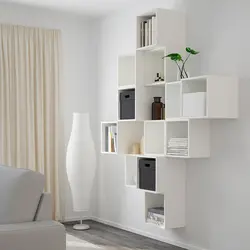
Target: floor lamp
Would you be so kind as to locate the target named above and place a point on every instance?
(81, 165)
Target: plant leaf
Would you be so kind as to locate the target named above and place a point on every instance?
(175, 57)
(192, 51)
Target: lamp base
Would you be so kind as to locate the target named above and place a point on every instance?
(81, 227)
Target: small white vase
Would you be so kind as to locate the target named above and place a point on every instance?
(81, 162)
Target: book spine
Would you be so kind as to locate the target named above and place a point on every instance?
(114, 140)
(142, 34)
(109, 140)
(106, 139)
(146, 33)
(153, 30)
(150, 32)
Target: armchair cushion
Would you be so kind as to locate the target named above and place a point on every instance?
(20, 192)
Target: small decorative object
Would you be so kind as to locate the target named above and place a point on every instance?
(142, 146)
(157, 109)
(177, 58)
(135, 149)
(159, 78)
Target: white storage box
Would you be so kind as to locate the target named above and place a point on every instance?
(194, 104)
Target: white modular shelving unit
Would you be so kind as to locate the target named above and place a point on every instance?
(190, 104)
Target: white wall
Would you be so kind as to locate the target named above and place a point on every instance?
(218, 189)
(79, 58)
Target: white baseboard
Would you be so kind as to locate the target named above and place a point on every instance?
(77, 218)
(140, 232)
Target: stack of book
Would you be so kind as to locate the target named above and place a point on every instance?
(178, 146)
(148, 32)
(111, 139)
(156, 216)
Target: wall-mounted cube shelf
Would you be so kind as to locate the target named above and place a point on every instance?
(170, 192)
(130, 133)
(188, 138)
(184, 133)
(160, 23)
(109, 137)
(213, 97)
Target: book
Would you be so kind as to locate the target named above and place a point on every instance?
(146, 34)
(113, 134)
(109, 139)
(142, 34)
(106, 139)
(150, 32)
(153, 30)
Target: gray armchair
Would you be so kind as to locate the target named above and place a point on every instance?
(26, 213)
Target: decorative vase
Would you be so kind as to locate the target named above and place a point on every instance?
(182, 76)
(157, 109)
(81, 164)
(135, 150)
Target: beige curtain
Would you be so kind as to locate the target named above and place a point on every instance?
(29, 82)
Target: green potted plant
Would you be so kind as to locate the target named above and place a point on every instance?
(180, 62)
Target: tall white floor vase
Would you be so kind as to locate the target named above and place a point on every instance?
(81, 165)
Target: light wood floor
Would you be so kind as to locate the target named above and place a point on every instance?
(113, 238)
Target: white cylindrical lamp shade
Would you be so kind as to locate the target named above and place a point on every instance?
(81, 162)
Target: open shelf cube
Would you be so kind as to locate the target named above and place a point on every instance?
(188, 138)
(171, 192)
(153, 29)
(126, 72)
(109, 138)
(152, 64)
(148, 64)
(154, 142)
(129, 137)
(177, 138)
(210, 97)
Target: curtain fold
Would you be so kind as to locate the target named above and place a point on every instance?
(29, 102)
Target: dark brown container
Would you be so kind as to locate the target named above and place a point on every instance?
(157, 109)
